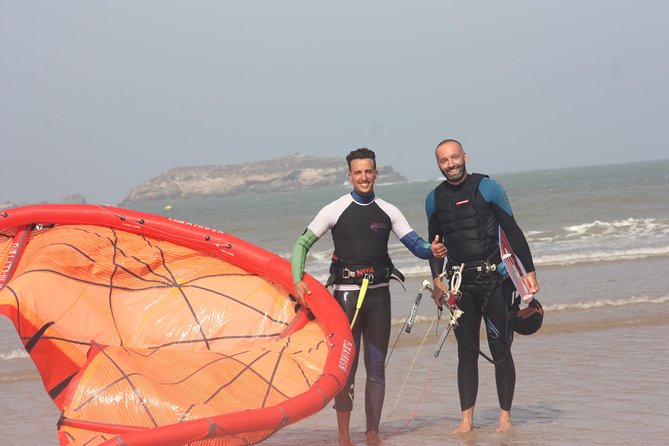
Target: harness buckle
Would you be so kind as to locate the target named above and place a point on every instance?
(347, 274)
(453, 297)
(481, 267)
(351, 274)
(487, 267)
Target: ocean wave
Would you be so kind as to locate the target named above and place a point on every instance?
(19, 376)
(565, 245)
(417, 271)
(421, 319)
(412, 267)
(599, 303)
(628, 225)
(323, 256)
(601, 256)
(595, 241)
(576, 306)
(13, 354)
(634, 228)
(416, 268)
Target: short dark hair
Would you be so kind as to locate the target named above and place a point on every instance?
(360, 154)
(449, 140)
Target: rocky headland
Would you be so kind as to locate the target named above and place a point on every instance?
(69, 199)
(289, 173)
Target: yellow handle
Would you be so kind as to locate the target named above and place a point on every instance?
(361, 298)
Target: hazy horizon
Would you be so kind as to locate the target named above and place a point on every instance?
(437, 177)
(96, 98)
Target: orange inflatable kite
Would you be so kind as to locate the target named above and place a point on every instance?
(153, 331)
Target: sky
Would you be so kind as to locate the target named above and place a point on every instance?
(98, 97)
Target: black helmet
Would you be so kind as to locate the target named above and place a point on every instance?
(529, 319)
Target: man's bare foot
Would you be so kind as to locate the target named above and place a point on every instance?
(466, 423)
(504, 421)
(373, 438)
(463, 427)
(345, 441)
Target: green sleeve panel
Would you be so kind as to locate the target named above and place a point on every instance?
(302, 247)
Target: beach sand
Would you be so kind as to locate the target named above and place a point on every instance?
(601, 386)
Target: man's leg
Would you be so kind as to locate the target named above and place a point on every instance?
(343, 420)
(344, 400)
(467, 333)
(500, 338)
(375, 339)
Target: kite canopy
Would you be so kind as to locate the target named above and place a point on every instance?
(148, 330)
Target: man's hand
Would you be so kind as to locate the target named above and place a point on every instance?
(438, 292)
(531, 282)
(438, 249)
(301, 288)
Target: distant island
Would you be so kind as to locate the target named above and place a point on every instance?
(285, 174)
(288, 173)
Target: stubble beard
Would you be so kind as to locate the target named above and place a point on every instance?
(457, 175)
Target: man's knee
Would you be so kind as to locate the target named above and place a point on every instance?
(344, 399)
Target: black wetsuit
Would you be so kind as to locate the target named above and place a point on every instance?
(467, 217)
(360, 228)
(373, 326)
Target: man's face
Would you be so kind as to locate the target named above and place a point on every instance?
(363, 175)
(452, 161)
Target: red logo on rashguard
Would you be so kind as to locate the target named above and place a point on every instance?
(460, 203)
(377, 226)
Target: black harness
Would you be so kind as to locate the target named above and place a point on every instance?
(487, 275)
(344, 272)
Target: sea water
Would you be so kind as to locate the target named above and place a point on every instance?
(596, 373)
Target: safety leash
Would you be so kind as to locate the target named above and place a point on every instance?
(454, 294)
(406, 378)
(456, 281)
(408, 323)
(414, 310)
(453, 322)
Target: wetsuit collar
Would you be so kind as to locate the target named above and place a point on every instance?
(362, 199)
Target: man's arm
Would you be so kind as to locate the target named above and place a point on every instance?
(436, 264)
(409, 238)
(298, 260)
(494, 193)
(422, 248)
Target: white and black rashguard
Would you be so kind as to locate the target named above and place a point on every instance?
(361, 227)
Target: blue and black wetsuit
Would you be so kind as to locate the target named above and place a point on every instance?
(361, 227)
(466, 217)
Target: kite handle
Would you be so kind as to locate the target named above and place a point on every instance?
(361, 298)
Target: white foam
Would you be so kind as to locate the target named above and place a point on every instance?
(628, 225)
(578, 306)
(599, 303)
(592, 242)
(14, 354)
(634, 228)
(601, 256)
(417, 271)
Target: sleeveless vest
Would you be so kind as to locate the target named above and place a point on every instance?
(466, 221)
